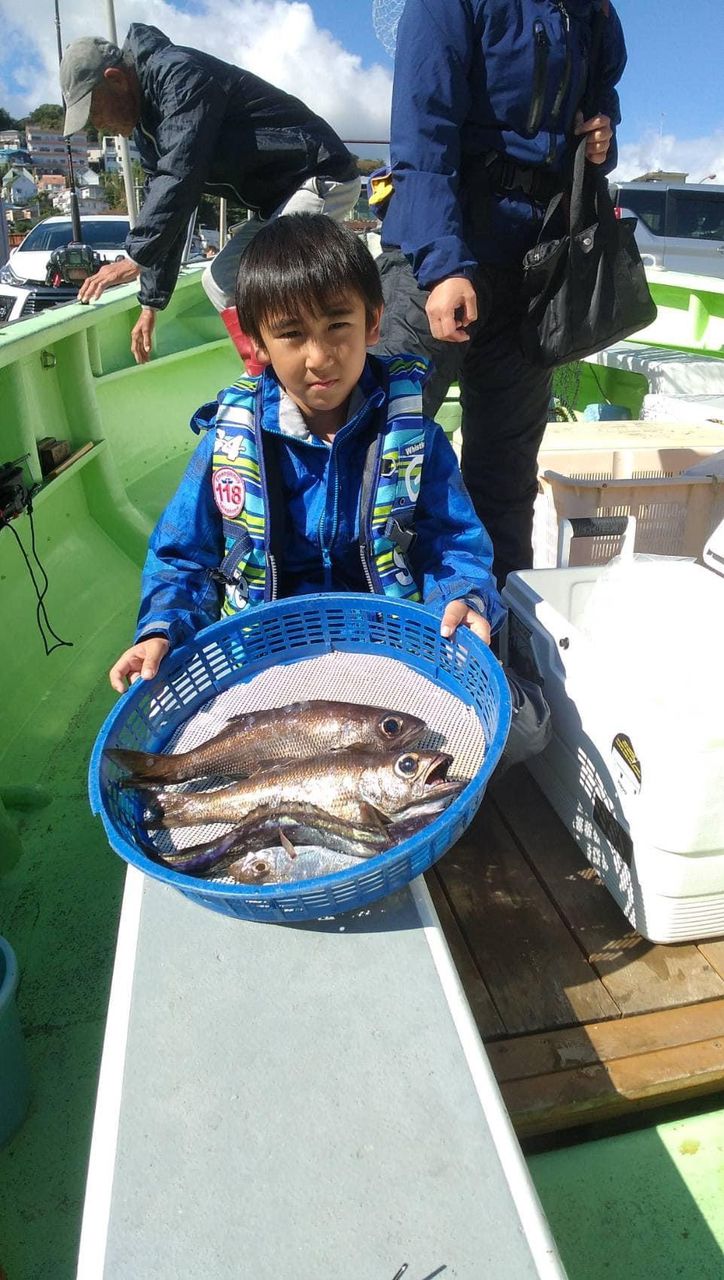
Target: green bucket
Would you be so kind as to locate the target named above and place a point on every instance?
(14, 1081)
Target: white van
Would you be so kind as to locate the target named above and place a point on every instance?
(680, 226)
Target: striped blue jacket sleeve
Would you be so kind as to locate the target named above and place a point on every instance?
(178, 594)
(452, 554)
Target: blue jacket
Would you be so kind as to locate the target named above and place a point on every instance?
(450, 558)
(207, 126)
(480, 76)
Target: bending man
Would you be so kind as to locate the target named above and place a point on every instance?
(201, 127)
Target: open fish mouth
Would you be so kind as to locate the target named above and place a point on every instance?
(435, 778)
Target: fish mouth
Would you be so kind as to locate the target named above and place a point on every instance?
(435, 777)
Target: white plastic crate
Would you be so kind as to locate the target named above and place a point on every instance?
(628, 469)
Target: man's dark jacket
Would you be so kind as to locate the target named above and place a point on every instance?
(475, 77)
(208, 127)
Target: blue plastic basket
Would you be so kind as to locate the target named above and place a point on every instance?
(287, 631)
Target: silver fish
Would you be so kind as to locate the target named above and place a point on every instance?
(300, 826)
(280, 865)
(249, 740)
(359, 786)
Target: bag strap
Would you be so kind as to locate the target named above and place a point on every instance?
(581, 210)
(590, 198)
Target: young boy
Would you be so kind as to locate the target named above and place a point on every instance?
(320, 475)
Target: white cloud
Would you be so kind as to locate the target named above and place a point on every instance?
(275, 39)
(697, 157)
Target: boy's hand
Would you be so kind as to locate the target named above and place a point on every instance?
(141, 660)
(460, 611)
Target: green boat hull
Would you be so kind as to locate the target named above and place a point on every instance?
(647, 1203)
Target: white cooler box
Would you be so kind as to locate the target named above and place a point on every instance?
(630, 657)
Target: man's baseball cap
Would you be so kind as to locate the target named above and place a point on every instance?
(84, 62)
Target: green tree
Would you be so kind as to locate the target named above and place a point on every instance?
(6, 120)
(49, 115)
(368, 166)
(115, 192)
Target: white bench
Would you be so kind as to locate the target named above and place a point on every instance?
(299, 1103)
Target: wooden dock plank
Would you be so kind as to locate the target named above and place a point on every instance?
(713, 952)
(582, 1095)
(484, 1011)
(526, 1057)
(639, 975)
(528, 960)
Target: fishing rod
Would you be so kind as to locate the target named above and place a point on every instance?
(74, 206)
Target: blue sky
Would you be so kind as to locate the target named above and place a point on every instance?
(327, 52)
(676, 60)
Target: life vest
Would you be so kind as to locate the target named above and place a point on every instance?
(248, 494)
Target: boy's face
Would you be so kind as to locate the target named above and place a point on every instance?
(319, 358)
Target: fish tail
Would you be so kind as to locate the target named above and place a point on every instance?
(144, 766)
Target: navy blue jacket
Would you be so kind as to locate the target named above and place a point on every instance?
(475, 76)
(208, 127)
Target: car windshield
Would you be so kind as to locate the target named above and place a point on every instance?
(53, 235)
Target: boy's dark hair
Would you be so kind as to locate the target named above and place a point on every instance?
(302, 259)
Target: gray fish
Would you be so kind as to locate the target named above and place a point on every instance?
(249, 740)
(305, 825)
(356, 785)
(290, 862)
(280, 865)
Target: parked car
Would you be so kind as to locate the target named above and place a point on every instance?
(13, 303)
(27, 266)
(680, 225)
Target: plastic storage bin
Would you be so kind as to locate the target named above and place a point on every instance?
(632, 672)
(14, 1080)
(628, 469)
(291, 632)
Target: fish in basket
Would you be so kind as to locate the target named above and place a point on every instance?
(277, 808)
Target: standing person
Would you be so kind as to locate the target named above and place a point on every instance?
(485, 115)
(201, 126)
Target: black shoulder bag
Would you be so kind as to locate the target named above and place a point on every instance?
(588, 288)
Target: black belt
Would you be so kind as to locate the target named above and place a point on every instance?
(504, 175)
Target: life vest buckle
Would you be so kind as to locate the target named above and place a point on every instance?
(402, 537)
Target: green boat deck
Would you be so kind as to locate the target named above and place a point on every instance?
(637, 1204)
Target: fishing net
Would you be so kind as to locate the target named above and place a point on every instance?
(386, 15)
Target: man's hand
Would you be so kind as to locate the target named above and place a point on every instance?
(141, 660)
(450, 307)
(459, 611)
(112, 273)
(141, 335)
(599, 132)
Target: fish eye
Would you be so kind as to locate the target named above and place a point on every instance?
(261, 867)
(391, 726)
(407, 766)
